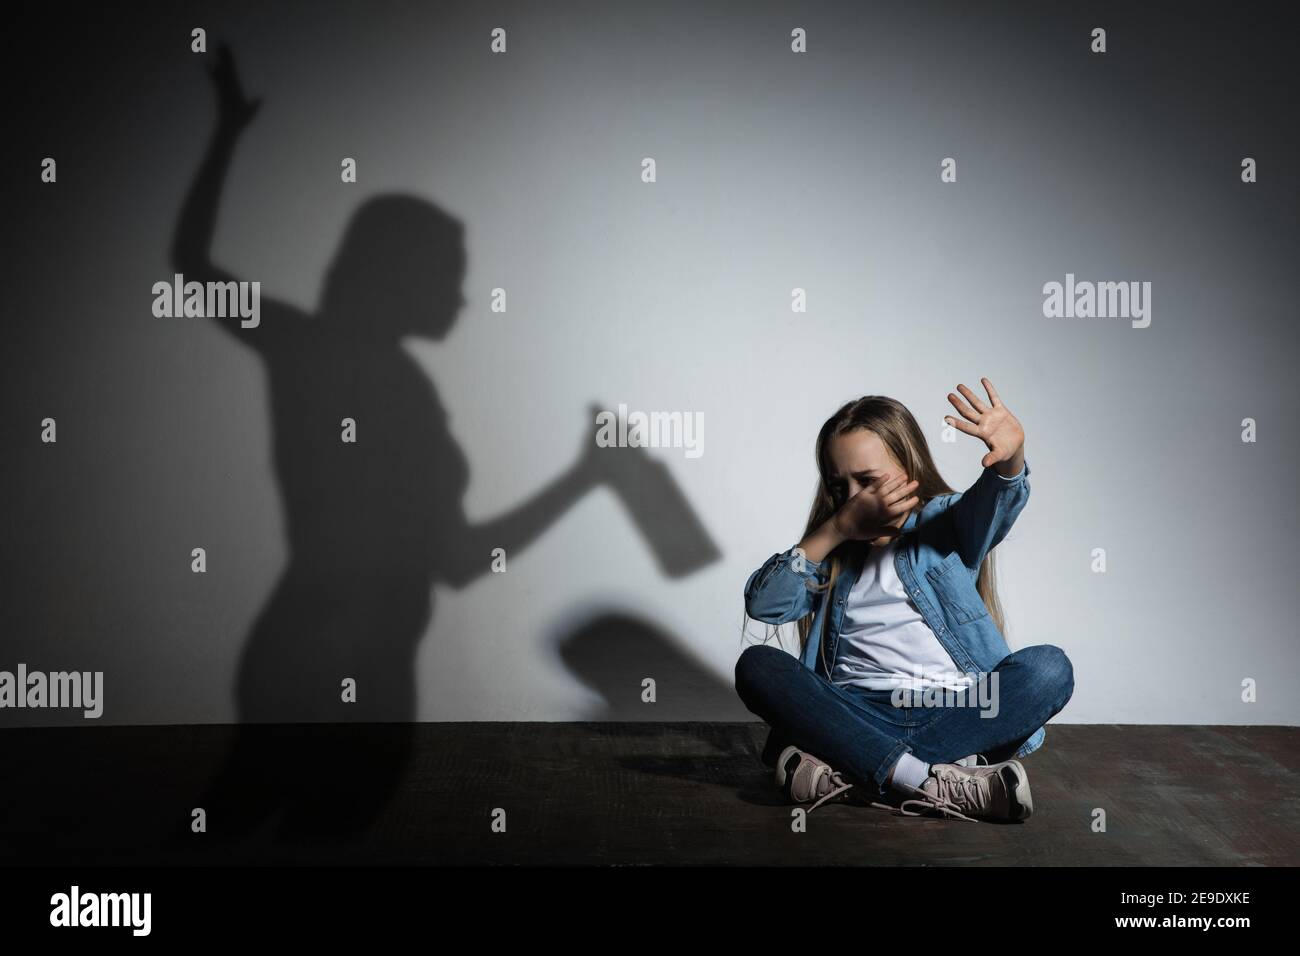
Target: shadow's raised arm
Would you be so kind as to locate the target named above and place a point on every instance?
(191, 248)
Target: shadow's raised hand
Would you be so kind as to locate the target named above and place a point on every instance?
(234, 109)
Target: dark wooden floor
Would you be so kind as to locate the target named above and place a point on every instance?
(620, 793)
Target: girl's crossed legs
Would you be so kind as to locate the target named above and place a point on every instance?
(862, 734)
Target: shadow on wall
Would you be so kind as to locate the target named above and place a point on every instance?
(613, 652)
(374, 523)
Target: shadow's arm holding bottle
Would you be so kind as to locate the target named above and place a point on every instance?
(465, 551)
(659, 510)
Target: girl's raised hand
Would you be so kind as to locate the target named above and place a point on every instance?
(992, 424)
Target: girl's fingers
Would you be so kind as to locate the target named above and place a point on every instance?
(966, 410)
(888, 484)
(906, 489)
(962, 426)
(993, 392)
(973, 399)
(903, 506)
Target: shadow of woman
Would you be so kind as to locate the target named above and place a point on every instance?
(372, 522)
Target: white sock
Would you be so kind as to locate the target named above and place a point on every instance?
(909, 772)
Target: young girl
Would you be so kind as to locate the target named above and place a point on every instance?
(904, 680)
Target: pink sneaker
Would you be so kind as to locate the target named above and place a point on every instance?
(999, 791)
(804, 779)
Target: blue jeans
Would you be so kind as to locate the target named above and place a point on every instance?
(862, 734)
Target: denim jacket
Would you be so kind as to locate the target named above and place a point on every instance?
(938, 559)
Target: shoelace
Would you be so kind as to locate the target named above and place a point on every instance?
(837, 786)
(942, 801)
(949, 783)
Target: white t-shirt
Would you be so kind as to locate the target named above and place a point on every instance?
(885, 642)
